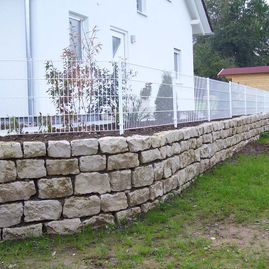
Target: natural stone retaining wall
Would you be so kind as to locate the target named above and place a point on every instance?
(60, 187)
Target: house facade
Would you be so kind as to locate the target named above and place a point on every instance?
(151, 35)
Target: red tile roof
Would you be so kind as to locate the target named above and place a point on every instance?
(243, 70)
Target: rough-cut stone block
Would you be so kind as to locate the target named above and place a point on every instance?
(76, 207)
(143, 176)
(7, 171)
(181, 177)
(55, 187)
(149, 206)
(102, 220)
(170, 184)
(93, 163)
(42, 210)
(187, 157)
(149, 156)
(139, 143)
(59, 149)
(22, 232)
(67, 226)
(207, 138)
(190, 132)
(166, 151)
(16, 191)
(113, 202)
(167, 169)
(113, 145)
(158, 140)
(123, 161)
(176, 148)
(192, 171)
(121, 180)
(62, 167)
(10, 150)
(138, 197)
(207, 151)
(128, 214)
(158, 170)
(10, 214)
(34, 149)
(173, 136)
(156, 190)
(31, 168)
(84, 147)
(167, 197)
(92, 183)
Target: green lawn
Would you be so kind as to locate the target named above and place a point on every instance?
(222, 221)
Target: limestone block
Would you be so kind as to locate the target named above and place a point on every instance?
(113, 202)
(113, 145)
(33, 149)
(42, 210)
(67, 226)
(123, 161)
(10, 150)
(8, 171)
(84, 147)
(158, 140)
(181, 177)
(149, 206)
(176, 148)
(128, 214)
(190, 132)
(22, 232)
(207, 138)
(62, 167)
(138, 197)
(150, 155)
(59, 149)
(158, 170)
(93, 163)
(55, 188)
(31, 168)
(170, 184)
(76, 207)
(187, 157)
(139, 143)
(100, 221)
(15, 191)
(86, 183)
(121, 180)
(10, 214)
(143, 176)
(156, 190)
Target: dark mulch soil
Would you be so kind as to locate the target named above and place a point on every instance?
(94, 134)
(255, 149)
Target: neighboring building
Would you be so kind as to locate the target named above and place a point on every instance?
(256, 77)
(153, 33)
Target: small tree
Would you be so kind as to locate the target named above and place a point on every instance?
(164, 100)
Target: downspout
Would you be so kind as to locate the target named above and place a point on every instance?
(28, 37)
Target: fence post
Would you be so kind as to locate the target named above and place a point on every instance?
(263, 102)
(120, 73)
(245, 99)
(230, 99)
(208, 99)
(256, 96)
(175, 106)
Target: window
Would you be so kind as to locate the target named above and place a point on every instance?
(141, 6)
(177, 62)
(75, 35)
(116, 41)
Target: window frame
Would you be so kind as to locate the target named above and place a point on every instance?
(143, 10)
(177, 64)
(83, 25)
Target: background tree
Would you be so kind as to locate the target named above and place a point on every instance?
(241, 36)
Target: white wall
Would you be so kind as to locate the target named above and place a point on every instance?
(166, 26)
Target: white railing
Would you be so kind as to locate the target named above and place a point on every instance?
(80, 96)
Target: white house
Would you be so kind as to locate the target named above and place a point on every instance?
(151, 35)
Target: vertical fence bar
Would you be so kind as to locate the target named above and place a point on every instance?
(208, 99)
(245, 99)
(175, 106)
(263, 102)
(230, 99)
(121, 128)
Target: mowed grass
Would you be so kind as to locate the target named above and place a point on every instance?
(264, 138)
(175, 235)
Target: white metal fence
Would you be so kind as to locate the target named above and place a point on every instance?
(75, 96)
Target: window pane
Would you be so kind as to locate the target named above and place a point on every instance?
(75, 37)
(115, 44)
(139, 5)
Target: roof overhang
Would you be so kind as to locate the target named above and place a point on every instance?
(244, 71)
(199, 17)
